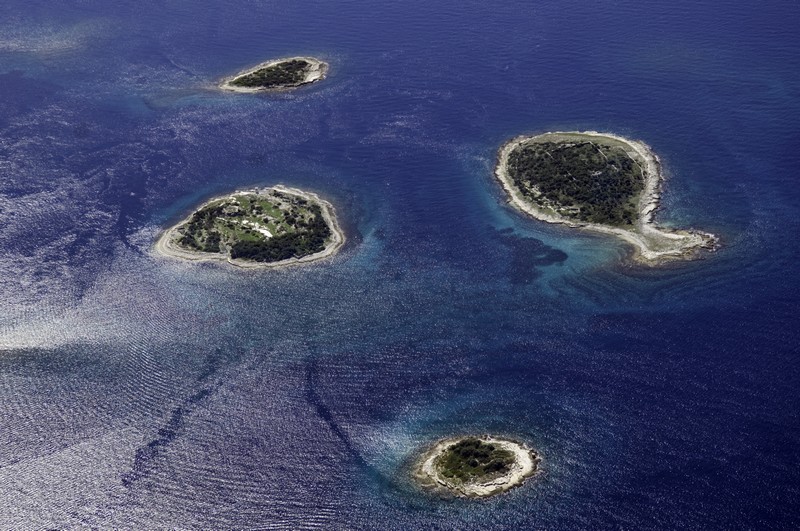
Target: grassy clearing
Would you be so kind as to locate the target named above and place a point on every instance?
(264, 227)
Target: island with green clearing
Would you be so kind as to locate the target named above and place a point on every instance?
(266, 227)
(598, 181)
(278, 74)
(475, 466)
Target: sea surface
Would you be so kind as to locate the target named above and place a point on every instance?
(141, 392)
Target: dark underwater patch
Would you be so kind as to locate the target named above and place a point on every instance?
(528, 256)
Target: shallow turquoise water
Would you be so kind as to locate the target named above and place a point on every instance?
(137, 392)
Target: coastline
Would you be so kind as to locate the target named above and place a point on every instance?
(317, 72)
(165, 245)
(526, 464)
(653, 245)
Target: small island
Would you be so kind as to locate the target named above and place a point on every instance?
(597, 181)
(475, 467)
(267, 227)
(277, 74)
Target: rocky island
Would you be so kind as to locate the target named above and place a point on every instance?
(475, 467)
(277, 74)
(268, 227)
(598, 181)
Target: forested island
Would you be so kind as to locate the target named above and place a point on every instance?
(597, 181)
(267, 227)
(475, 467)
(278, 74)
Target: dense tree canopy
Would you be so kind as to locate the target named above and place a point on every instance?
(472, 458)
(308, 240)
(281, 74)
(583, 180)
(258, 228)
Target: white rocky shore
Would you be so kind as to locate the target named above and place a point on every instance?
(316, 72)
(167, 245)
(653, 244)
(526, 463)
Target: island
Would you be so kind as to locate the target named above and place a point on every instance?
(475, 466)
(264, 227)
(277, 75)
(597, 181)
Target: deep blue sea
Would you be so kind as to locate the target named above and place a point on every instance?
(138, 392)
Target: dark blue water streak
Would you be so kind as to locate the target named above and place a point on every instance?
(138, 392)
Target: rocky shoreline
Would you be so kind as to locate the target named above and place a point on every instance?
(653, 245)
(526, 464)
(317, 72)
(166, 245)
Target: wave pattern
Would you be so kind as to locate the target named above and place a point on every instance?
(140, 392)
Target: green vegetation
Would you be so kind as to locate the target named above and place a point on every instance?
(581, 180)
(286, 73)
(263, 227)
(472, 459)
